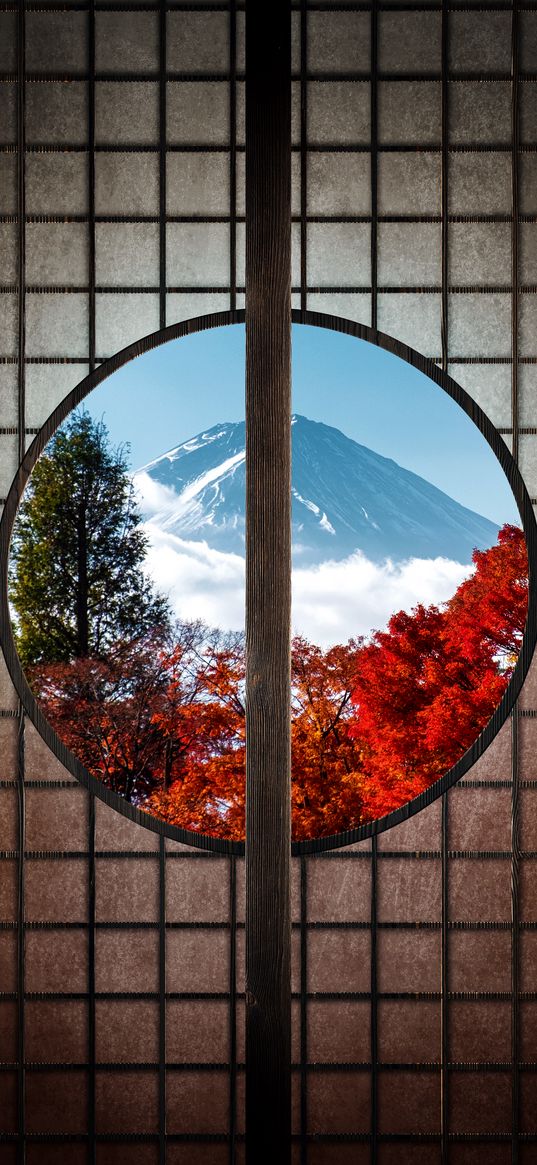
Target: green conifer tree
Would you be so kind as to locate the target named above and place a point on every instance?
(77, 583)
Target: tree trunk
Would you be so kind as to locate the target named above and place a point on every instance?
(82, 615)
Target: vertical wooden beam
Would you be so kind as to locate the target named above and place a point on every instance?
(444, 339)
(515, 760)
(374, 1006)
(91, 1156)
(162, 150)
(233, 155)
(374, 131)
(268, 580)
(21, 370)
(163, 211)
(232, 1010)
(162, 1009)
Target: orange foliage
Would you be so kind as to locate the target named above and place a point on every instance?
(326, 756)
(207, 793)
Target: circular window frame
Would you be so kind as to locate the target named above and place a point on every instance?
(502, 454)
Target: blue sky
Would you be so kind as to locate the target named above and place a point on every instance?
(173, 392)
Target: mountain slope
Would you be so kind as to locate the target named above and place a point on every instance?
(345, 497)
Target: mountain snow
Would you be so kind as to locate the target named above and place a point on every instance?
(345, 498)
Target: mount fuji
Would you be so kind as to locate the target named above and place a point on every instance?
(345, 498)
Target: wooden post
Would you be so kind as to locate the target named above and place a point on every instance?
(268, 581)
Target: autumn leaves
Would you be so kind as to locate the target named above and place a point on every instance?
(374, 723)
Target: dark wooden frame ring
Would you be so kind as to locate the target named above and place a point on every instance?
(499, 448)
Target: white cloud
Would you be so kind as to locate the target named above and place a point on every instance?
(331, 602)
(201, 583)
(152, 497)
(339, 599)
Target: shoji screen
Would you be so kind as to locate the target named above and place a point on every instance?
(122, 210)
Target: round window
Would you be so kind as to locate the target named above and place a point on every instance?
(126, 534)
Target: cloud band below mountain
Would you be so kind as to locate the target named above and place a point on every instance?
(331, 602)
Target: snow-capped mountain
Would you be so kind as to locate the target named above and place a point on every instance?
(345, 497)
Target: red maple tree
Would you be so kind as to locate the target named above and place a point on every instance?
(426, 687)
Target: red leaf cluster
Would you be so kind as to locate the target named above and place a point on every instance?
(426, 687)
